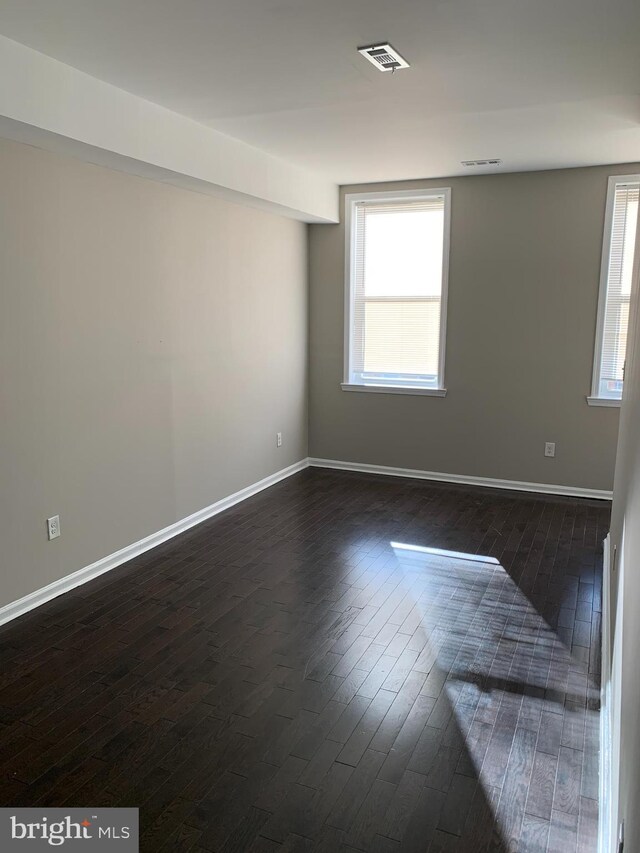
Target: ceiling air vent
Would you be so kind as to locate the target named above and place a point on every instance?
(383, 56)
(491, 162)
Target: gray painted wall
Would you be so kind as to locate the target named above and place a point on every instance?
(523, 289)
(152, 343)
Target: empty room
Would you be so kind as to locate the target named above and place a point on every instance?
(320, 426)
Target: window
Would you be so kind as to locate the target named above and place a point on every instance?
(615, 289)
(396, 291)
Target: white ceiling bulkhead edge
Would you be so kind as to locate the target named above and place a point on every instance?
(49, 104)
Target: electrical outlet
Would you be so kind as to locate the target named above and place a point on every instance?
(549, 448)
(53, 527)
(279, 439)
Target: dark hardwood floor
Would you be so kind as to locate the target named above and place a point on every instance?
(300, 674)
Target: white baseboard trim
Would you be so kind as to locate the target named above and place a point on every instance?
(489, 482)
(69, 582)
(604, 800)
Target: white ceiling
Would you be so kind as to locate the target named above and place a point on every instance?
(539, 83)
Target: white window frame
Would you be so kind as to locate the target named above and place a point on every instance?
(351, 199)
(594, 399)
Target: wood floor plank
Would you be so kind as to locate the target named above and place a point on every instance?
(566, 796)
(541, 786)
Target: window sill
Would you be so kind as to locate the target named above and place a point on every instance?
(395, 389)
(604, 401)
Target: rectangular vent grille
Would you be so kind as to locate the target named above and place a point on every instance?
(384, 57)
(491, 162)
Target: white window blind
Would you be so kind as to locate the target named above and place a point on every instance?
(617, 271)
(397, 291)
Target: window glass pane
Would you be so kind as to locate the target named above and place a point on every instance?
(630, 225)
(620, 244)
(402, 337)
(403, 253)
